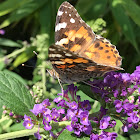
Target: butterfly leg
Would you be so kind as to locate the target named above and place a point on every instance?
(89, 84)
(61, 87)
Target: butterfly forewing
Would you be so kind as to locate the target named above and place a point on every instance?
(70, 29)
(74, 34)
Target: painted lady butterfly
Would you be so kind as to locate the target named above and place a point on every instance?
(79, 54)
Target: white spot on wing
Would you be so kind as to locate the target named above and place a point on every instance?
(70, 15)
(81, 21)
(77, 14)
(55, 55)
(59, 62)
(66, 12)
(60, 13)
(68, 54)
(72, 20)
(57, 43)
(51, 49)
(60, 26)
(62, 41)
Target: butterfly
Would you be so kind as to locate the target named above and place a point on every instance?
(78, 53)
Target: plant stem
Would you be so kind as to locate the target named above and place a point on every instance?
(18, 134)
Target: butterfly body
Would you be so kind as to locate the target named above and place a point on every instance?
(79, 54)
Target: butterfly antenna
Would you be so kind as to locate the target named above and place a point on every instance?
(24, 65)
(39, 56)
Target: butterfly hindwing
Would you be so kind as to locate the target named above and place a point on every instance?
(72, 66)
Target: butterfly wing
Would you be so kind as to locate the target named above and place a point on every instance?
(70, 67)
(74, 34)
(70, 29)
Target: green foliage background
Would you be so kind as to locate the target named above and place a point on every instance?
(29, 26)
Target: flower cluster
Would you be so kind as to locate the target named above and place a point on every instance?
(77, 112)
(123, 90)
(119, 98)
(42, 111)
(103, 136)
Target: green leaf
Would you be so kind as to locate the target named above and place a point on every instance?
(9, 5)
(16, 76)
(134, 135)
(66, 135)
(9, 43)
(93, 8)
(1, 109)
(23, 11)
(17, 127)
(118, 126)
(14, 95)
(49, 11)
(124, 22)
(120, 137)
(86, 89)
(132, 9)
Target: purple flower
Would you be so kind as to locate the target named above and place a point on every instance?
(27, 122)
(126, 77)
(46, 103)
(125, 128)
(70, 113)
(77, 128)
(37, 135)
(116, 93)
(104, 122)
(37, 109)
(94, 136)
(74, 120)
(55, 115)
(48, 118)
(69, 128)
(127, 125)
(2, 32)
(11, 114)
(27, 118)
(84, 118)
(124, 92)
(134, 117)
(61, 111)
(128, 107)
(61, 103)
(112, 136)
(103, 111)
(72, 105)
(86, 105)
(78, 112)
(72, 90)
(46, 111)
(58, 99)
(87, 129)
(112, 124)
(118, 105)
(108, 135)
(47, 127)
